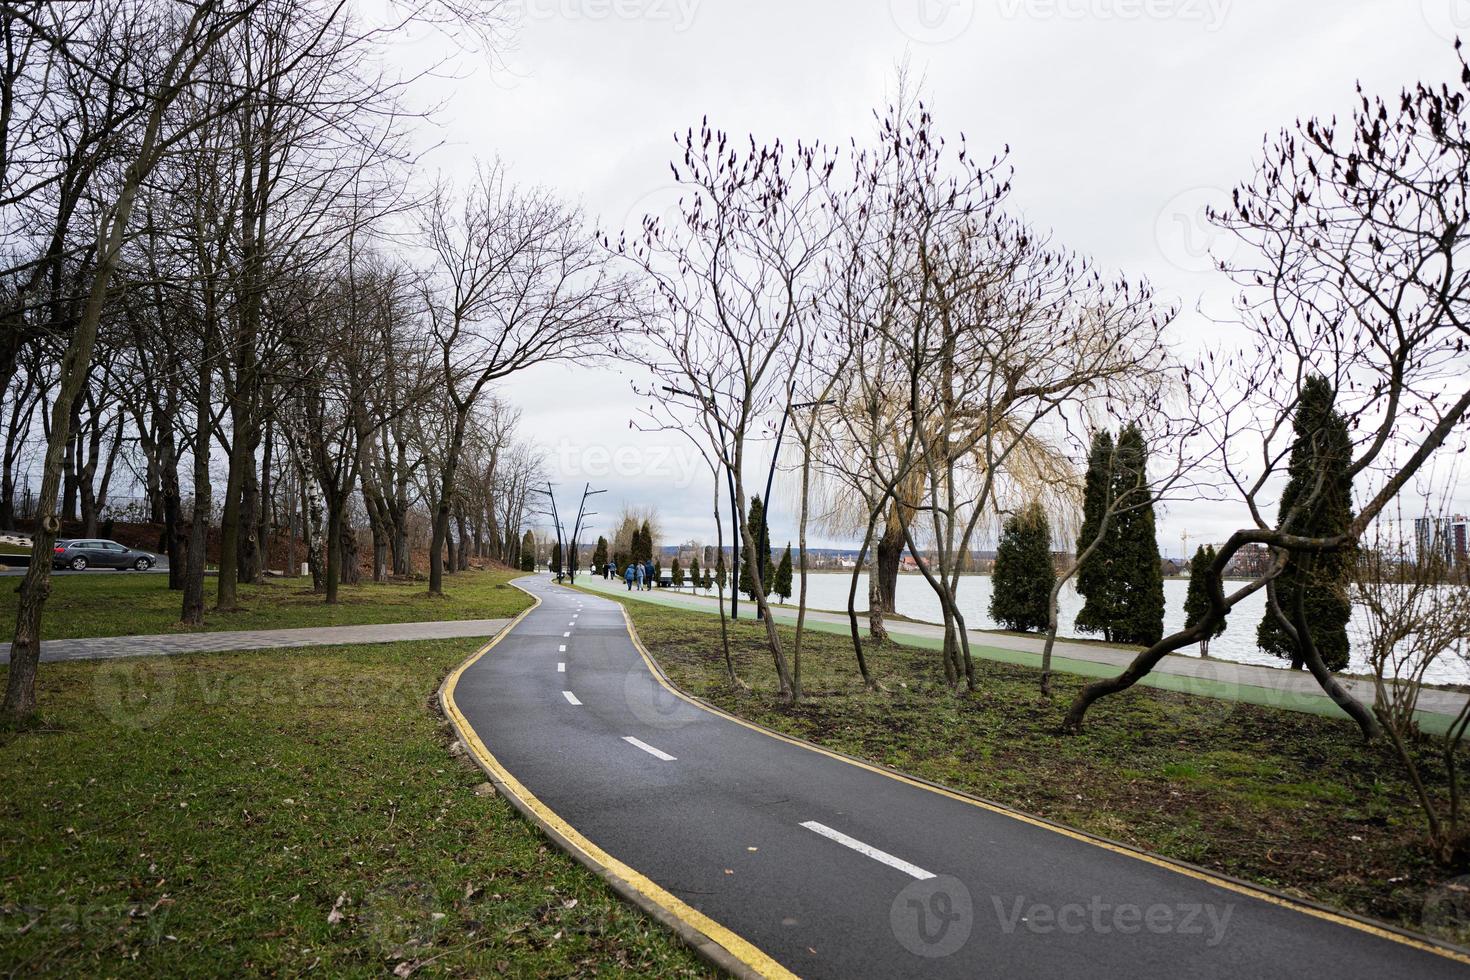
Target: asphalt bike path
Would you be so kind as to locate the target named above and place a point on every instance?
(784, 857)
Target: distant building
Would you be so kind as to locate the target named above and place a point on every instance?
(1442, 537)
(1251, 560)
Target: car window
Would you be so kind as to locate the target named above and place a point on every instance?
(114, 546)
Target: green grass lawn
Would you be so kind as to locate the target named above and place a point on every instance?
(131, 604)
(1290, 800)
(283, 813)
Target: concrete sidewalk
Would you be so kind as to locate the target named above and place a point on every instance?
(103, 648)
(1209, 677)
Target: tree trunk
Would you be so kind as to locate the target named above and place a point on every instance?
(773, 638)
(25, 648)
(334, 551)
(248, 556)
(170, 497)
(291, 512)
(462, 537)
(265, 520)
(351, 559)
(852, 619)
(876, 626)
(226, 591)
(440, 533)
(888, 557)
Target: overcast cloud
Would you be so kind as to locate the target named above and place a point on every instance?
(1124, 117)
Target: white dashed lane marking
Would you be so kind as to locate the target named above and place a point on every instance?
(912, 870)
(637, 743)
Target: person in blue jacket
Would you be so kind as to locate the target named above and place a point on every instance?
(628, 575)
(649, 575)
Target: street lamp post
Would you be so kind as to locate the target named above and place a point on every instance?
(582, 514)
(555, 524)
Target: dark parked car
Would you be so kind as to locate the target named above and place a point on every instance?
(95, 553)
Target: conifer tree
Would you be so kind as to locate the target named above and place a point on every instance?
(782, 586)
(1094, 578)
(1137, 573)
(1020, 597)
(757, 517)
(1197, 600)
(676, 572)
(696, 578)
(599, 554)
(645, 540)
(1320, 456)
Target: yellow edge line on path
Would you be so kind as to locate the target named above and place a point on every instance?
(742, 950)
(1197, 873)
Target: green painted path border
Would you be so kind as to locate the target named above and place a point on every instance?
(1315, 703)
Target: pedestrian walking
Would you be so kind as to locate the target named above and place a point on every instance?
(628, 574)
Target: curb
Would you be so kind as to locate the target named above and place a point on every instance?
(644, 895)
(1382, 930)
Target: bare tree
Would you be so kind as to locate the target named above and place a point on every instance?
(513, 281)
(1355, 271)
(734, 286)
(169, 49)
(1413, 614)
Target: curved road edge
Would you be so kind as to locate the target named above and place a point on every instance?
(728, 951)
(1382, 930)
(713, 942)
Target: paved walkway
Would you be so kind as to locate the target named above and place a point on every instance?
(1210, 677)
(782, 859)
(101, 648)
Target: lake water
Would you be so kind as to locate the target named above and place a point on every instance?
(828, 591)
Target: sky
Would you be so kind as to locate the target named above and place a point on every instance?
(1125, 119)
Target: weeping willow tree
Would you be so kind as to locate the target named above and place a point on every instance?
(977, 343)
